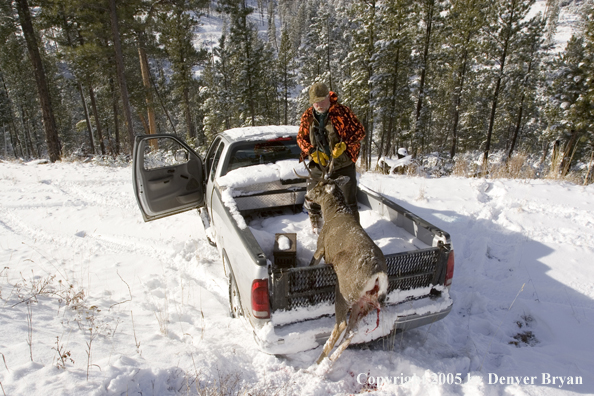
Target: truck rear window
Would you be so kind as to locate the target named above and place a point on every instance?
(267, 152)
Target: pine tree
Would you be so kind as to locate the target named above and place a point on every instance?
(359, 87)
(17, 85)
(121, 77)
(393, 70)
(176, 26)
(507, 29)
(49, 122)
(315, 51)
(526, 74)
(219, 106)
(465, 21)
(248, 57)
(588, 97)
(286, 66)
(430, 17)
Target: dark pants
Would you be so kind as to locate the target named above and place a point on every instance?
(349, 190)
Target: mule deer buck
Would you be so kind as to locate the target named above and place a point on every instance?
(358, 262)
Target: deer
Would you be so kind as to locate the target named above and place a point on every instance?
(359, 264)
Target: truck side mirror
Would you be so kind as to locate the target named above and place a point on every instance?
(181, 156)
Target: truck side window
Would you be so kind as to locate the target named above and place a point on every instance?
(215, 162)
(210, 156)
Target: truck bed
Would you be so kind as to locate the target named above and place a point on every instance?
(389, 237)
(415, 251)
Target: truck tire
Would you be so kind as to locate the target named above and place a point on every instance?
(235, 309)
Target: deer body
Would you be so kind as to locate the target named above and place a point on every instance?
(359, 264)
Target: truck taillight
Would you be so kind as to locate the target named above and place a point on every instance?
(260, 302)
(450, 269)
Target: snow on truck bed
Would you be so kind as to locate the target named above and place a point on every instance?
(390, 238)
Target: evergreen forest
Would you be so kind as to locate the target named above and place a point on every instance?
(452, 77)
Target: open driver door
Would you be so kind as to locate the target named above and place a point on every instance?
(168, 176)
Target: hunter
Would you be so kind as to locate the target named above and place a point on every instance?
(330, 130)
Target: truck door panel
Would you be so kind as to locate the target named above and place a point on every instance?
(168, 176)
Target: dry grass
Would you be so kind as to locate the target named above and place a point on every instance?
(519, 166)
(465, 168)
(516, 167)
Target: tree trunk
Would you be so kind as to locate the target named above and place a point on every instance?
(496, 93)
(28, 142)
(587, 178)
(115, 117)
(568, 152)
(189, 122)
(15, 141)
(146, 81)
(87, 118)
(144, 123)
(424, 64)
(286, 91)
(49, 122)
(517, 127)
(97, 121)
(370, 53)
(163, 106)
(458, 100)
(119, 58)
(519, 121)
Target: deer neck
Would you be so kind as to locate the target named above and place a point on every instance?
(333, 205)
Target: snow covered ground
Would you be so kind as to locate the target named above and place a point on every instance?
(96, 302)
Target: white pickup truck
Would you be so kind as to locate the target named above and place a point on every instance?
(250, 203)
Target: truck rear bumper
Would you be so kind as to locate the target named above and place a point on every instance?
(309, 334)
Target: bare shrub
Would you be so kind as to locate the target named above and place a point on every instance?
(63, 354)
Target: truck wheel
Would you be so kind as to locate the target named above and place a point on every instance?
(235, 310)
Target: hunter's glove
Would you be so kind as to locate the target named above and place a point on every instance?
(338, 149)
(319, 157)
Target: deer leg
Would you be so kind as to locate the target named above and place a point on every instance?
(316, 260)
(349, 332)
(341, 308)
(319, 253)
(336, 332)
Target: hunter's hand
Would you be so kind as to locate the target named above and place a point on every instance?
(338, 149)
(319, 157)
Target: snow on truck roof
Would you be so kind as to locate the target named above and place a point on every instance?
(260, 132)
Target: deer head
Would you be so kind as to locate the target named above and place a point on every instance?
(324, 184)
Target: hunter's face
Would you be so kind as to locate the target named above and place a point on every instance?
(323, 105)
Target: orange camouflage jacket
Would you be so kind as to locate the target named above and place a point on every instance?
(344, 122)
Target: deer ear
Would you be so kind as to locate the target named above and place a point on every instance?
(329, 188)
(342, 180)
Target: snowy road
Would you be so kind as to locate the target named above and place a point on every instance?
(75, 255)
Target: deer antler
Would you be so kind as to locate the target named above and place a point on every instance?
(311, 176)
(327, 171)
